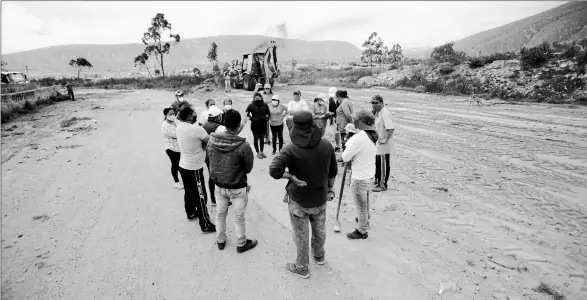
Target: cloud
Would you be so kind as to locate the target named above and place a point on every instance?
(30, 25)
(279, 30)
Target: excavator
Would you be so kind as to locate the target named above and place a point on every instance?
(256, 67)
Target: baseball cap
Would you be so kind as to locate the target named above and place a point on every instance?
(179, 93)
(297, 92)
(214, 111)
(275, 97)
(378, 98)
(366, 117)
(267, 86)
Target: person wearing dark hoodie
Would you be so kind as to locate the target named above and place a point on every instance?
(231, 159)
(360, 153)
(259, 113)
(312, 171)
(213, 125)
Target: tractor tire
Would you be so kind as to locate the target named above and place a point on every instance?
(234, 84)
(249, 83)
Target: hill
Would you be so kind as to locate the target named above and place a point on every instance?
(189, 53)
(567, 22)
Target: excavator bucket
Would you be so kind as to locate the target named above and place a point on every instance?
(270, 61)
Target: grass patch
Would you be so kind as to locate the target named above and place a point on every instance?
(72, 121)
(548, 290)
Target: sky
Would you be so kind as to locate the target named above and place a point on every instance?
(30, 25)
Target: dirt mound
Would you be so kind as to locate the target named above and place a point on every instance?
(368, 81)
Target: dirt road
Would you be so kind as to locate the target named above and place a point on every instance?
(489, 200)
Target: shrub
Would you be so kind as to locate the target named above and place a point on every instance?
(446, 69)
(420, 89)
(476, 62)
(536, 56)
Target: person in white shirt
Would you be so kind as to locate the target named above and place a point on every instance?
(297, 103)
(360, 152)
(190, 138)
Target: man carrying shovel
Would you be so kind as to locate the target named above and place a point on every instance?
(360, 150)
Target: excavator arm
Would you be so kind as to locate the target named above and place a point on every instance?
(270, 61)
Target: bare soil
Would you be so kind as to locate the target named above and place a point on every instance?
(485, 203)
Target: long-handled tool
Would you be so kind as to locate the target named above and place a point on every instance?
(337, 222)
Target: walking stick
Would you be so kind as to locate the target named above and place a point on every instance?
(337, 222)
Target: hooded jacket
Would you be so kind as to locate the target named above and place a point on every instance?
(231, 159)
(311, 159)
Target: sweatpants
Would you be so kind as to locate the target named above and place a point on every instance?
(258, 141)
(382, 170)
(194, 196)
(174, 158)
(211, 185)
(277, 132)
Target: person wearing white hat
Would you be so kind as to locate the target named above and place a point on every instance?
(277, 112)
(320, 113)
(204, 116)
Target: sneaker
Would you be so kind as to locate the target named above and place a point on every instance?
(302, 273)
(192, 217)
(356, 235)
(178, 185)
(229, 203)
(273, 153)
(259, 156)
(249, 244)
(209, 230)
(221, 245)
(213, 204)
(378, 189)
(336, 149)
(263, 154)
(320, 260)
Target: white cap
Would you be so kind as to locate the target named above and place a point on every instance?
(267, 86)
(322, 96)
(275, 97)
(332, 92)
(178, 93)
(214, 111)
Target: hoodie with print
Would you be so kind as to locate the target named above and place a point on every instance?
(231, 159)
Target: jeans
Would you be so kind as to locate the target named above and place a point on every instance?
(239, 198)
(382, 170)
(194, 200)
(277, 132)
(361, 189)
(299, 222)
(70, 95)
(174, 157)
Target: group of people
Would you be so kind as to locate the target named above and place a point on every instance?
(308, 162)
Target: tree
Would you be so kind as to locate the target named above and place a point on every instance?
(225, 67)
(444, 53)
(294, 63)
(213, 53)
(80, 63)
(141, 62)
(395, 53)
(373, 49)
(153, 39)
(197, 73)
